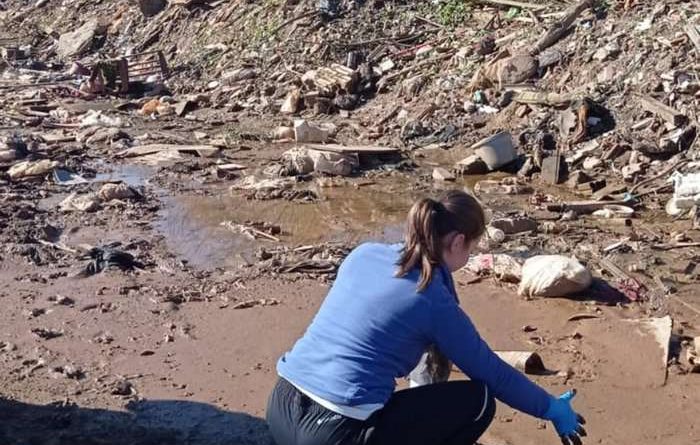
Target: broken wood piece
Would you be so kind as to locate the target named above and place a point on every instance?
(230, 167)
(582, 316)
(626, 222)
(58, 246)
(359, 149)
(386, 79)
(57, 138)
(560, 28)
(528, 362)
(582, 206)
(542, 98)
(390, 115)
(249, 231)
(674, 246)
(247, 304)
(205, 151)
(313, 13)
(665, 112)
(694, 37)
(516, 4)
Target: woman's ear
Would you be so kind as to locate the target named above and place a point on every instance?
(458, 243)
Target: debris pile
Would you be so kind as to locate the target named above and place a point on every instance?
(158, 134)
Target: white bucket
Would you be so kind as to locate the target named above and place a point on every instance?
(497, 150)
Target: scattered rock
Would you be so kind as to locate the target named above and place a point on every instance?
(83, 203)
(302, 161)
(68, 371)
(123, 388)
(112, 191)
(513, 70)
(609, 51)
(305, 132)
(64, 301)
(441, 174)
(472, 165)
(46, 333)
(150, 8)
(283, 133)
(506, 186)
(105, 135)
(239, 74)
(292, 103)
(7, 347)
(514, 225)
(79, 41)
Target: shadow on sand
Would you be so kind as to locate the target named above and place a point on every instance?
(146, 422)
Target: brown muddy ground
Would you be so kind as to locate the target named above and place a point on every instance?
(161, 355)
(183, 349)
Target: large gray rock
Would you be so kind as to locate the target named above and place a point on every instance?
(150, 8)
(77, 42)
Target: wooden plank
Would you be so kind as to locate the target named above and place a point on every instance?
(665, 112)
(359, 149)
(512, 3)
(694, 37)
(56, 138)
(202, 150)
(560, 28)
(230, 167)
(582, 206)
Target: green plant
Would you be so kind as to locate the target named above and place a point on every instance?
(452, 13)
(603, 5)
(513, 13)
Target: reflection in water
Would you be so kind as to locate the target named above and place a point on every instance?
(191, 224)
(131, 174)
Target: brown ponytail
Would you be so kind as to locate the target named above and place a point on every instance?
(428, 222)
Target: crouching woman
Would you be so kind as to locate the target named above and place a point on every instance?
(388, 305)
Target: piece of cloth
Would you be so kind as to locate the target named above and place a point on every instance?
(359, 412)
(373, 327)
(433, 367)
(451, 413)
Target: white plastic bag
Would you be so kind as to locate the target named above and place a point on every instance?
(685, 185)
(686, 193)
(553, 276)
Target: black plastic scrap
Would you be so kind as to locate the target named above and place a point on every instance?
(106, 257)
(329, 8)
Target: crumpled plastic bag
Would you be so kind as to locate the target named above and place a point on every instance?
(302, 161)
(433, 367)
(112, 191)
(505, 268)
(81, 203)
(553, 276)
(94, 118)
(31, 168)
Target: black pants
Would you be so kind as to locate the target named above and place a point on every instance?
(451, 413)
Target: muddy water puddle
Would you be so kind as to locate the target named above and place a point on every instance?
(131, 174)
(192, 224)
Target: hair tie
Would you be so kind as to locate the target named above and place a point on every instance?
(437, 205)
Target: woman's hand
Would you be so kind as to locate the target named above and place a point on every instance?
(566, 421)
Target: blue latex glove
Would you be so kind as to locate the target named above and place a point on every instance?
(565, 420)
